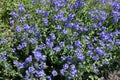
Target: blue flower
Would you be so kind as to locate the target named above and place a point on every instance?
(19, 47)
(39, 73)
(43, 65)
(90, 46)
(96, 57)
(78, 43)
(46, 14)
(90, 53)
(19, 64)
(18, 29)
(59, 27)
(21, 8)
(24, 44)
(14, 14)
(52, 36)
(50, 44)
(31, 69)
(49, 78)
(62, 71)
(118, 42)
(11, 22)
(59, 3)
(33, 41)
(75, 34)
(26, 27)
(29, 16)
(99, 51)
(3, 41)
(69, 58)
(64, 32)
(78, 51)
(54, 73)
(22, 19)
(63, 57)
(62, 44)
(71, 16)
(69, 47)
(65, 66)
(3, 58)
(28, 59)
(45, 21)
(115, 19)
(40, 11)
(77, 4)
(42, 46)
(57, 49)
(81, 57)
(38, 55)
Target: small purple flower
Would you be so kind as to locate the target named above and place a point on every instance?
(42, 46)
(78, 51)
(11, 22)
(78, 43)
(50, 44)
(33, 41)
(43, 65)
(95, 69)
(3, 41)
(24, 44)
(28, 59)
(54, 73)
(29, 16)
(65, 66)
(63, 58)
(69, 58)
(90, 46)
(76, 26)
(18, 29)
(64, 32)
(34, 28)
(62, 71)
(99, 51)
(52, 36)
(118, 42)
(46, 14)
(31, 69)
(40, 73)
(81, 57)
(116, 19)
(21, 8)
(45, 21)
(14, 14)
(71, 16)
(22, 19)
(90, 53)
(19, 64)
(49, 78)
(3, 58)
(69, 47)
(59, 27)
(40, 11)
(26, 27)
(38, 55)
(96, 57)
(19, 47)
(75, 34)
(62, 44)
(37, 35)
(57, 49)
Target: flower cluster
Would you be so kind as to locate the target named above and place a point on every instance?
(52, 44)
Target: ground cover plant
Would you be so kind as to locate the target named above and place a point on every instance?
(59, 39)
